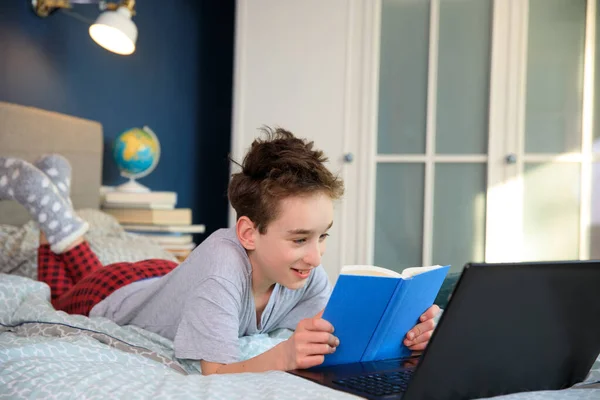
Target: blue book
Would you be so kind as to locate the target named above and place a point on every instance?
(372, 309)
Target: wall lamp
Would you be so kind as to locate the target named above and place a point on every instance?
(114, 30)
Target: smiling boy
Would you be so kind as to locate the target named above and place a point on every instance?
(283, 198)
(264, 274)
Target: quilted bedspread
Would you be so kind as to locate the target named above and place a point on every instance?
(49, 354)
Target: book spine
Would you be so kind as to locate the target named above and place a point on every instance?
(413, 298)
(385, 324)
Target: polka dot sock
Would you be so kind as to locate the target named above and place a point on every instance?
(58, 170)
(23, 182)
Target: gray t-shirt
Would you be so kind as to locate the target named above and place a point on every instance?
(206, 303)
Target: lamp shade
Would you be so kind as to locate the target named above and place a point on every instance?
(115, 31)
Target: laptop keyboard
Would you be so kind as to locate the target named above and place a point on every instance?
(383, 384)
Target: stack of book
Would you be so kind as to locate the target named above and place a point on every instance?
(154, 215)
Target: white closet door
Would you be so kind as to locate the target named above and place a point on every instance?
(432, 136)
(546, 195)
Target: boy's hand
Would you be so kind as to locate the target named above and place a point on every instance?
(418, 337)
(310, 342)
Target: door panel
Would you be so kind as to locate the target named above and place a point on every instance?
(403, 75)
(459, 214)
(555, 57)
(399, 215)
(551, 211)
(463, 77)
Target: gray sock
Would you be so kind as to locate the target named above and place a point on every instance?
(58, 170)
(26, 184)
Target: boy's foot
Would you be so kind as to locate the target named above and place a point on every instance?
(21, 181)
(58, 170)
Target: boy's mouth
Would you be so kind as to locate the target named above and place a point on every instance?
(302, 273)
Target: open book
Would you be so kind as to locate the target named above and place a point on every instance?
(373, 308)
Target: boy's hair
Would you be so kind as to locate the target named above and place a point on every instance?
(275, 168)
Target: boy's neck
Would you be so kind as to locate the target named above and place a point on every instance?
(260, 284)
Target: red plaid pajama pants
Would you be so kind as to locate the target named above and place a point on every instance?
(78, 281)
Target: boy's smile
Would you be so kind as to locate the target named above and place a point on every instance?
(302, 273)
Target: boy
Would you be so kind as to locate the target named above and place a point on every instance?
(262, 275)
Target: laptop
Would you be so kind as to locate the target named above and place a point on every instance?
(507, 328)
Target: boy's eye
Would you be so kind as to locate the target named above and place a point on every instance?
(299, 241)
(323, 236)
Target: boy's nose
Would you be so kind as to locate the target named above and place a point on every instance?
(313, 257)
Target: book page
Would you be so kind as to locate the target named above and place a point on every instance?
(408, 272)
(369, 270)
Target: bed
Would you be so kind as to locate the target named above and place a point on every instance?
(45, 353)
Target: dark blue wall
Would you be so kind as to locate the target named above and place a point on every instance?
(178, 82)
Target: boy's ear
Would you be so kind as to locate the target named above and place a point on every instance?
(246, 232)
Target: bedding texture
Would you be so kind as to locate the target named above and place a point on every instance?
(50, 354)
(45, 353)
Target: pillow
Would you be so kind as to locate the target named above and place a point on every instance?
(18, 245)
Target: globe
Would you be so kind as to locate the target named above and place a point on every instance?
(136, 153)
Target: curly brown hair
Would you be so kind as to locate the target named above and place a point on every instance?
(275, 168)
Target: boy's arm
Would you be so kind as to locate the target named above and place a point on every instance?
(270, 360)
(306, 348)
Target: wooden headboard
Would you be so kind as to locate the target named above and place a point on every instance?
(28, 132)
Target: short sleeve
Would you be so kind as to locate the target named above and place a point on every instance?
(313, 301)
(210, 323)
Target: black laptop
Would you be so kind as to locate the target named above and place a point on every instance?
(507, 328)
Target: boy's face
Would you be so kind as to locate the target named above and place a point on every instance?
(294, 242)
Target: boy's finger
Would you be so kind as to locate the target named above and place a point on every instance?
(320, 337)
(420, 329)
(311, 361)
(333, 341)
(319, 324)
(420, 346)
(424, 337)
(320, 314)
(431, 313)
(319, 349)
